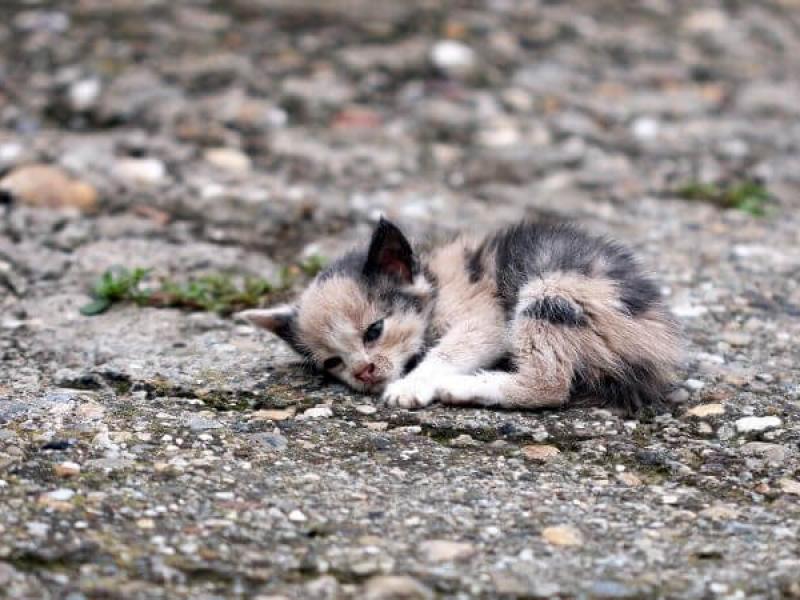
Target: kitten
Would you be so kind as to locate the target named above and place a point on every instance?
(568, 314)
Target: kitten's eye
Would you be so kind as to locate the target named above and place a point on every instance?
(374, 331)
(332, 363)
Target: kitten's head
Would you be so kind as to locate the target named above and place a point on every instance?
(363, 319)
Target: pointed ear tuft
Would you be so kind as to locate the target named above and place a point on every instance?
(278, 320)
(390, 254)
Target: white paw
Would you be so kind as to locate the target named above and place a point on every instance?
(409, 393)
(455, 390)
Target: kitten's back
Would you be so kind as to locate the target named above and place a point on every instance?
(595, 297)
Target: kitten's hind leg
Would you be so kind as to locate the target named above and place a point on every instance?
(545, 344)
(544, 368)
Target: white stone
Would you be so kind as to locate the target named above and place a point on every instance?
(645, 128)
(689, 311)
(61, 495)
(318, 412)
(189, 548)
(38, 529)
(737, 338)
(228, 159)
(9, 154)
(694, 384)
(453, 58)
(297, 516)
(445, 550)
(83, 94)
(497, 134)
(750, 424)
(706, 410)
(141, 171)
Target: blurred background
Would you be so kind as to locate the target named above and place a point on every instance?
(270, 123)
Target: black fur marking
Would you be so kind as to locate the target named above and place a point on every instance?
(529, 250)
(506, 363)
(390, 255)
(557, 310)
(474, 264)
(287, 331)
(634, 388)
(637, 291)
(638, 294)
(412, 362)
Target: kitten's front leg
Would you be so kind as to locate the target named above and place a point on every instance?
(410, 392)
(462, 350)
(418, 388)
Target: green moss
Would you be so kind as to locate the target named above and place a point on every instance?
(747, 196)
(223, 400)
(159, 386)
(223, 293)
(217, 293)
(312, 265)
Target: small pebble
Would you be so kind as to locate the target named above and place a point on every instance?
(297, 516)
(61, 495)
(706, 410)
(67, 469)
(678, 396)
(396, 587)
(540, 452)
(629, 479)
(694, 384)
(272, 414)
(453, 58)
(562, 535)
(318, 412)
(83, 94)
(790, 486)
(140, 171)
(48, 186)
(445, 550)
(228, 159)
(755, 424)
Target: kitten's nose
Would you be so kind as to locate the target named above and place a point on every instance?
(365, 372)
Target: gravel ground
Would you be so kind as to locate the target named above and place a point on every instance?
(160, 453)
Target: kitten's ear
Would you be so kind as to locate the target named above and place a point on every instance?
(390, 254)
(279, 320)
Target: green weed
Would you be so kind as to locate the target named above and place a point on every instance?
(115, 285)
(747, 196)
(219, 292)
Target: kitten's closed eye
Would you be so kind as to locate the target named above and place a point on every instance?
(373, 332)
(332, 363)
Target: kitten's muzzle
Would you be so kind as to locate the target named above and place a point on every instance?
(366, 373)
